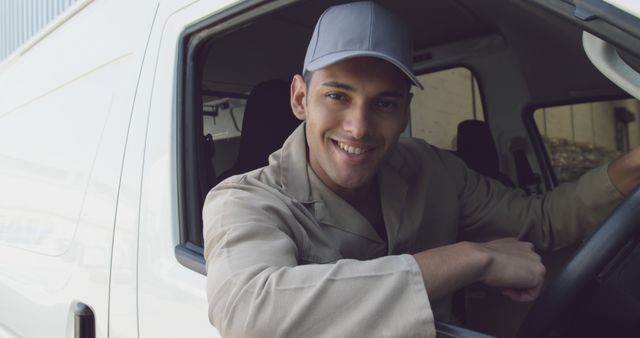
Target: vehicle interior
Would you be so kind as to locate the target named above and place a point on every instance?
(233, 110)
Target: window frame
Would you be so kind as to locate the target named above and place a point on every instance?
(190, 60)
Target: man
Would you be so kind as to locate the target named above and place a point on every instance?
(349, 233)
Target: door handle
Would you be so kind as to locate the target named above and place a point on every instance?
(84, 321)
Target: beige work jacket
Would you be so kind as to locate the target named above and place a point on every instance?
(286, 257)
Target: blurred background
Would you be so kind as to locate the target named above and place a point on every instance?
(21, 20)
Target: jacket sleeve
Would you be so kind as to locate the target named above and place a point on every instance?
(257, 288)
(556, 219)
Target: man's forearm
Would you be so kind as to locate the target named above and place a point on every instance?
(507, 263)
(448, 268)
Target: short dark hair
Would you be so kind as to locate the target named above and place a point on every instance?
(307, 78)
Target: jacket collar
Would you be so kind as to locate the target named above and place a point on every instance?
(305, 186)
(293, 166)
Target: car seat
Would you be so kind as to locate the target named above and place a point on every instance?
(267, 122)
(478, 150)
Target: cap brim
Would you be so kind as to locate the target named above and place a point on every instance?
(330, 59)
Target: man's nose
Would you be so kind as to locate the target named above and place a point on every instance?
(356, 121)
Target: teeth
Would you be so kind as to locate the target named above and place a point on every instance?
(351, 149)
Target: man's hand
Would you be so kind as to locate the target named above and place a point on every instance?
(514, 267)
(507, 263)
(624, 172)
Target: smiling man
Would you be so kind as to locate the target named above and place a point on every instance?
(349, 232)
(353, 120)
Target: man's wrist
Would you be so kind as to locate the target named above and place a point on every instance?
(480, 259)
(448, 268)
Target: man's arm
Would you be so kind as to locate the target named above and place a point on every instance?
(256, 286)
(264, 281)
(624, 172)
(507, 263)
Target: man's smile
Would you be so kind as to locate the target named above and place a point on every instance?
(353, 153)
(353, 148)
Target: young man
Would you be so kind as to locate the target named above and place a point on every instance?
(348, 233)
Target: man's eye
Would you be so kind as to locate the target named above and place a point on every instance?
(386, 104)
(336, 96)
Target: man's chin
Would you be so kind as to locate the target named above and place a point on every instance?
(353, 183)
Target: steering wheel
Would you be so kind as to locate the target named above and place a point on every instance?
(589, 260)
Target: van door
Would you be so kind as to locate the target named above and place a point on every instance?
(64, 113)
(171, 297)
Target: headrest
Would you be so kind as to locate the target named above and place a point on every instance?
(267, 122)
(477, 148)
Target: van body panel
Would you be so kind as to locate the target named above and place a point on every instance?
(63, 128)
(123, 300)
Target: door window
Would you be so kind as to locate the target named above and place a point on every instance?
(449, 97)
(583, 136)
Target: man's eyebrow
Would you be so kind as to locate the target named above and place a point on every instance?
(347, 87)
(392, 93)
(339, 85)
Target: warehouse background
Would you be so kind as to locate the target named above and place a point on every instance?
(20, 20)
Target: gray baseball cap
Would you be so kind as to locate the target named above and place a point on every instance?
(360, 29)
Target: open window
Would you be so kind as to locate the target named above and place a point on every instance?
(223, 65)
(226, 56)
(512, 51)
(583, 136)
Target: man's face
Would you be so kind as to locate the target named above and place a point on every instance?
(355, 111)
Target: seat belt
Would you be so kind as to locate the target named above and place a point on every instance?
(207, 171)
(527, 179)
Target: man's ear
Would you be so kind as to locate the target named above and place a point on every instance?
(299, 97)
(407, 112)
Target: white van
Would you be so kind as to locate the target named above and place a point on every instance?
(117, 119)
